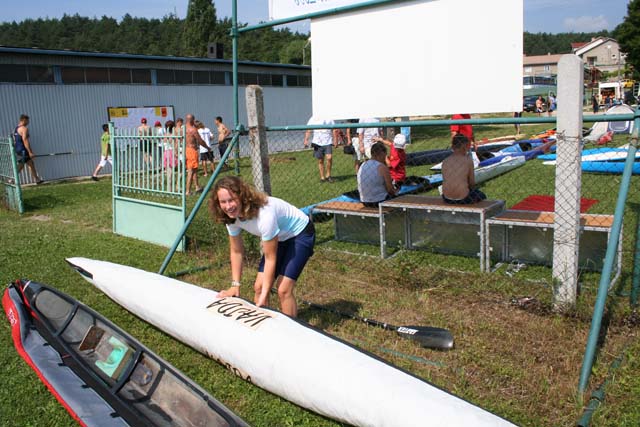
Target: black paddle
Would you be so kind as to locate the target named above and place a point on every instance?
(427, 336)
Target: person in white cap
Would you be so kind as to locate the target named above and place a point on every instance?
(396, 159)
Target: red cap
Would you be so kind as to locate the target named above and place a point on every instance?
(143, 120)
(157, 123)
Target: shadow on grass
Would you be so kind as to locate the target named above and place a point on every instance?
(35, 203)
(331, 314)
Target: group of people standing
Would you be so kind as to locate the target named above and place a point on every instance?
(198, 147)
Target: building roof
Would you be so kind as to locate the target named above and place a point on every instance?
(128, 56)
(593, 44)
(541, 59)
(577, 45)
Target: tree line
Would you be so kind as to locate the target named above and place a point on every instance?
(189, 37)
(167, 36)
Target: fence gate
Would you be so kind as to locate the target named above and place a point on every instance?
(9, 177)
(148, 184)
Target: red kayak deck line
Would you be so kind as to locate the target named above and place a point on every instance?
(542, 203)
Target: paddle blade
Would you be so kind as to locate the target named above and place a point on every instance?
(429, 337)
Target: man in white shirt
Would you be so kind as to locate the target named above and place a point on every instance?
(206, 155)
(323, 142)
(366, 135)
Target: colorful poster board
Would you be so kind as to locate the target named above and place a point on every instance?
(130, 117)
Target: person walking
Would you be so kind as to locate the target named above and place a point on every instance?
(287, 236)
(105, 151)
(322, 142)
(23, 148)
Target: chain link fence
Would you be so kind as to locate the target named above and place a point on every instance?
(323, 182)
(11, 193)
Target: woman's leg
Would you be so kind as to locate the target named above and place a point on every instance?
(288, 304)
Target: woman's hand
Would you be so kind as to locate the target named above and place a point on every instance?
(233, 291)
(263, 300)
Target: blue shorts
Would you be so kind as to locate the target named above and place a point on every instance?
(23, 156)
(319, 151)
(293, 254)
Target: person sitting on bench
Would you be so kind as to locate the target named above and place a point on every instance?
(374, 179)
(458, 179)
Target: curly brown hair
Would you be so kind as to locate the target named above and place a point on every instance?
(250, 199)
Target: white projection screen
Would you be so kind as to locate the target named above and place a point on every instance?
(418, 58)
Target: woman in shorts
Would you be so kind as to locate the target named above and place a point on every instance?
(287, 237)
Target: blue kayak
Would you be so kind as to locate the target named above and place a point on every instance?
(609, 167)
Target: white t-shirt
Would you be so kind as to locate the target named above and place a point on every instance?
(369, 133)
(321, 137)
(276, 218)
(206, 136)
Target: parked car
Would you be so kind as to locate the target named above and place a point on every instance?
(529, 104)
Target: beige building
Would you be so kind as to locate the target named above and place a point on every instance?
(540, 65)
(602, 53)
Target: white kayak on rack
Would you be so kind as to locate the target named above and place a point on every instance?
(282, 355)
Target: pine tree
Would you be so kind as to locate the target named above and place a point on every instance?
(628, 34)
(199, 27)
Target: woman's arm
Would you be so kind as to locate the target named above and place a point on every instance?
(236, 255)
(270, 250)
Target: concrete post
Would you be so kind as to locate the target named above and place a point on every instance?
(258, 139)
(568, 182)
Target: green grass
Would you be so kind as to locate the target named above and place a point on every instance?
(521, 362)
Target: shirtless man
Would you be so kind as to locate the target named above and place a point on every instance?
(224, 136)
(23, 148)
(458, 178)
(193, 140)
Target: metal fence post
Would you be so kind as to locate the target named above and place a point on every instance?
(258, 139)
(568, 182)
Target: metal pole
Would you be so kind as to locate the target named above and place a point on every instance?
(612, 246)
(635, 282)
(197, 206)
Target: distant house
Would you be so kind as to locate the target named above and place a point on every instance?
(541, 65)
(602, 53)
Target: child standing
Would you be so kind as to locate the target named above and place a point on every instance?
(396, 159)
(105, 151)
(458, 178)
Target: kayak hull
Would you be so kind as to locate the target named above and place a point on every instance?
(282, 355)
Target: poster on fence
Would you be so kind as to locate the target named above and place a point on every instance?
(418, 58)
(130, 117)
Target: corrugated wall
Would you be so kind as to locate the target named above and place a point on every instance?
(69, 118)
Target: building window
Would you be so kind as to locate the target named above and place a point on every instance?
(528, 69)
(40, 74)
(277, 80)
(201, 77)
(547, 68)
(247, 78)
(218, 77)
(141, 76)
(96, 75)
(13, 73)
(304, 81)
(71, 75)
(120, 75)
(165, 77)
(264, 79)
(292, 81)
(184, 77)
(592, 60)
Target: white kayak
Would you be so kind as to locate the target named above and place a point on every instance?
(282, 355)
(601, 155)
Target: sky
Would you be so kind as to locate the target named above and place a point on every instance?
(550, 16)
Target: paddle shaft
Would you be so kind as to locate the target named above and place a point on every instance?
(372, 322)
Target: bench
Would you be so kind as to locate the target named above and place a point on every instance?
(354, 222)
(431, 223)
(527, 236)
